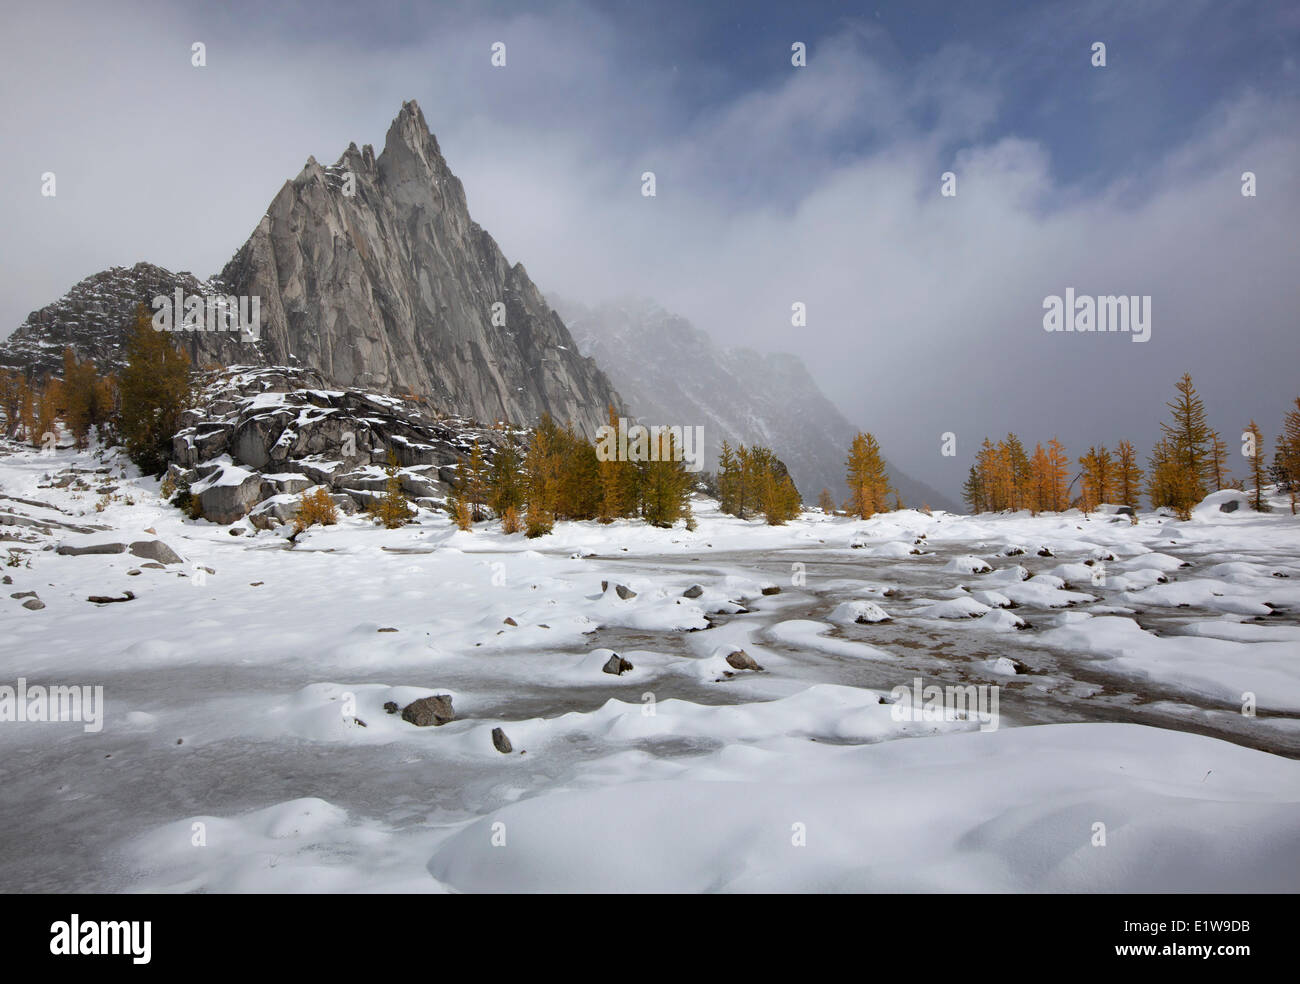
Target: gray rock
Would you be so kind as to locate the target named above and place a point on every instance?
(156, 551)
(694, 591)
(1232, 505)
(617, 665)
(771, 589)
(68, 550)
(624, 592)
(500, 742)
(291, 483)
(741, 660)
(426, 711)
(230, 503)
(34, 604)
(346, 504)
(273, 512)
(256, 436)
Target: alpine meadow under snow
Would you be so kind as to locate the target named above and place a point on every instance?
(882, 477)
(251, 684)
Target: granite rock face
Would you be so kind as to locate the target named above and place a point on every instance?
(392, 289)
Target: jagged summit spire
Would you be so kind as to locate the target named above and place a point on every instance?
(409, 127)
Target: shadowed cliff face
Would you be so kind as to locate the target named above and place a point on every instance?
(372, 272)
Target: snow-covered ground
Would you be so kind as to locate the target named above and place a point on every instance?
(245, 743)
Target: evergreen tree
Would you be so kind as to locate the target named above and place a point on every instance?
(1040, 469)
(11, 390)
(1098, 478)
(27, 410)
(504, 482)
(780, 498)
(1257, 468)
(1169, 484)
(542, 467)
(751, 467)
(1059, 476)
(867, 477)
(973, 491)
(1289, 449)
(988, 465)
(618, 492)
(1018, 473)
(665, 484)
(1189, 439)
(155, 388)
(47, 410)
(580, 493)
(728, 481)
(82, 395)
(1216, 463)
(392, 510)
(1128, 475)
(473, 480)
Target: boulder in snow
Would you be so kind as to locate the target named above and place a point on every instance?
(617, 665)
(427, 711)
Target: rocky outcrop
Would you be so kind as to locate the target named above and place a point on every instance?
(262, 436)
(227, 492)
(92, 318)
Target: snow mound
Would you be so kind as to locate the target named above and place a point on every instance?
(858, 612)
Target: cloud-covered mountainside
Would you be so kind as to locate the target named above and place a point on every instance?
(671, 372)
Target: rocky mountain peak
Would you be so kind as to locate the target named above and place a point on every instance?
(371, 271)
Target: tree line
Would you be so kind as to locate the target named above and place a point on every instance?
(1188, 462)
(556, 473)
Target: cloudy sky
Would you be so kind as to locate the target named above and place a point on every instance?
(776, 184)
